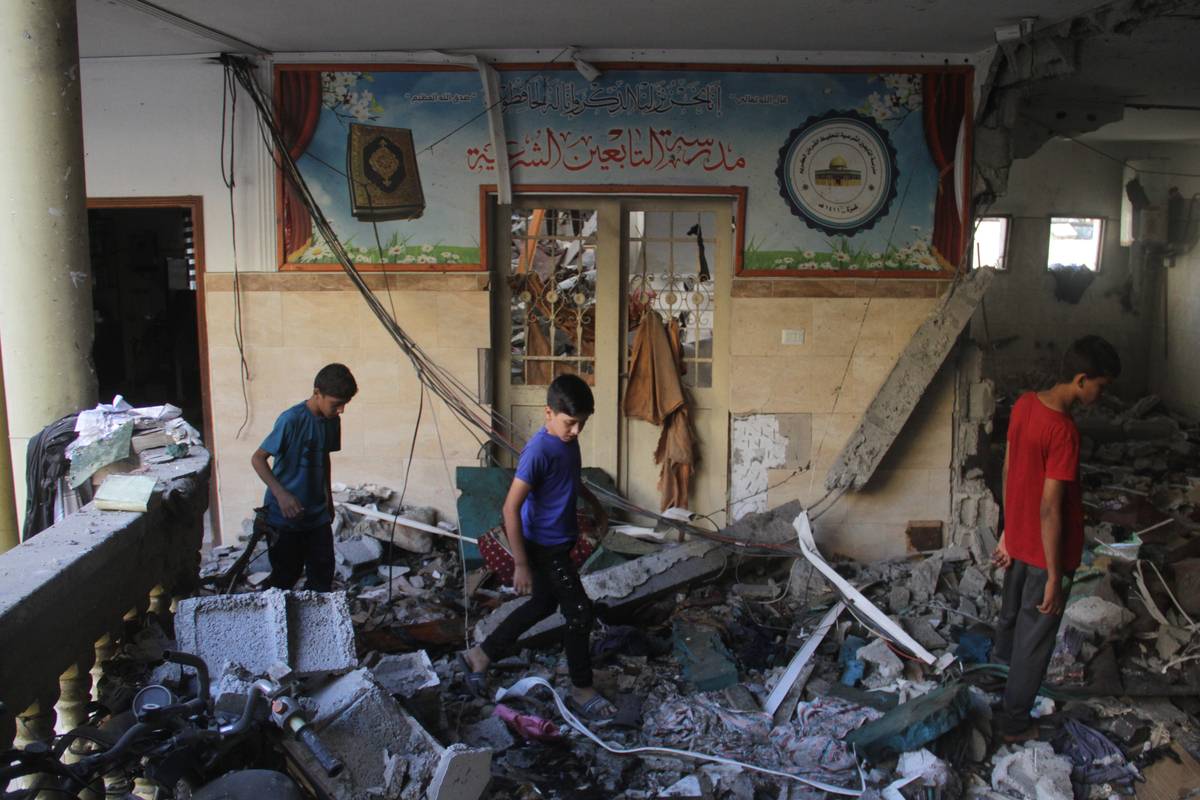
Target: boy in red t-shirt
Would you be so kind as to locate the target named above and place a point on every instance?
(1043, 524)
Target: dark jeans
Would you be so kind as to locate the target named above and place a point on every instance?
(309, 551)
(1030, 635)
(556, 585)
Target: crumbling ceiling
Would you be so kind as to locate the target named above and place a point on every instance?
(115, 28)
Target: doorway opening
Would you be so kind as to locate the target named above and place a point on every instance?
(150, 346)
(575, 275)
(147, 340)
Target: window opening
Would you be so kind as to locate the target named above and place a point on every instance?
(1075, 243)
(989, 246)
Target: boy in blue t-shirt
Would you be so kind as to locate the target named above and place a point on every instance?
(539, 518)
(299, 500)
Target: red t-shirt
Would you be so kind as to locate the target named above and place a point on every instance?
(1042, 443)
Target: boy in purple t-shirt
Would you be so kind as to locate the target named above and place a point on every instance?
(539, 518)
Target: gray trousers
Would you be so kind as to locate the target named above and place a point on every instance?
(1025, 640)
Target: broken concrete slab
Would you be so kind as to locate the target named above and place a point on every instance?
(923, 580)
(411, 677)
(358, 553)
(806, 583)
(1033, 772)
(490, 733)
(309, 631)
(356, 719)
(887, 666)
(973, 583)
(907, 382)
(899, 598)
(914, 724)
(1099, 616)
(921, 630)
(625, 585)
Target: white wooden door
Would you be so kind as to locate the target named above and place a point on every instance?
(573, 273)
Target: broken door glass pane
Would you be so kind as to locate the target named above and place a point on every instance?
(552, 278)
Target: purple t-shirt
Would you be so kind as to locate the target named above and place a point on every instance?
(552, 467)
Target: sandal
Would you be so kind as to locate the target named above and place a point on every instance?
(477, 682)
(598, 709)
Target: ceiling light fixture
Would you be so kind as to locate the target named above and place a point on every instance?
(588, 70)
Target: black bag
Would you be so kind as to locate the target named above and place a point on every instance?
(45, 464)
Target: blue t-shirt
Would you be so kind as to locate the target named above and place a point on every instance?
(298, 444)
(552, 467)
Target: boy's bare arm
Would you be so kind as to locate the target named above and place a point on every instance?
(1053, 493)
(522, 578)
(289, 506)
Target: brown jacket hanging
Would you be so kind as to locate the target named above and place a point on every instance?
(655, 394)
(654, 390)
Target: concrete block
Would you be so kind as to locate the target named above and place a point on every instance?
(311, 632)
(411, 677)
(886, 665)
(359, 552)
(490, 733)
(905, 385)
(359, 721)
(1099, 616)
(973, 583)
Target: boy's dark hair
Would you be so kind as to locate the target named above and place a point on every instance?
(335, 380)
(570, 395)
(1091, 356)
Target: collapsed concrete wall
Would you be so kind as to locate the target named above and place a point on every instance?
(906, 384)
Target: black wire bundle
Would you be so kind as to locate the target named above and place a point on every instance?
(487, 426)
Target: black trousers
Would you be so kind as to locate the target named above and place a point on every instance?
(556, 585)
(308, 550)
(1025, 639)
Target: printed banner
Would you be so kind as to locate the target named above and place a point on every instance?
(847, 171)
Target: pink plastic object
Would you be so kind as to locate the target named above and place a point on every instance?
(528, 726)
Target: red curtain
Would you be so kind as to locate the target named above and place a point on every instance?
(945, 107)
(299, 108)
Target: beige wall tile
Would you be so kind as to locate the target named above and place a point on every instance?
(836, 324)
(750, 383)
(862, 541)
(321, 319)
(262, 320)
(464, 319)
(758, 324)
(416, 313)
(863, 379)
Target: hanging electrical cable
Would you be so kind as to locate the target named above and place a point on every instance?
(486, 425)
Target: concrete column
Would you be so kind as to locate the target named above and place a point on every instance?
(10, 533)
(45, 275)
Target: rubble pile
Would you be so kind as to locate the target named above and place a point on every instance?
(404, 584)
(754, 655)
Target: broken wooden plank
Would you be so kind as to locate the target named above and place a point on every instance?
(396, 519)
(906, 384)
(800, 661)
(854, 597)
